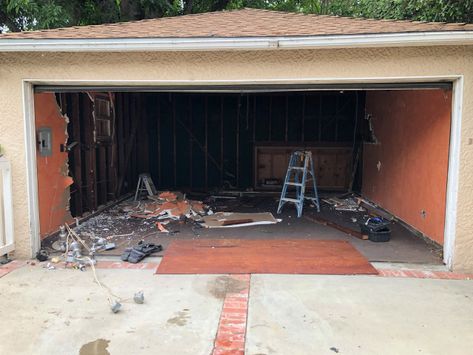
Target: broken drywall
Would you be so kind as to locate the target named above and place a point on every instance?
(53, 170)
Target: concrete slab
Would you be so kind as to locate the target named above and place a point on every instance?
(409, 266)
(303, 314)
(63, 311)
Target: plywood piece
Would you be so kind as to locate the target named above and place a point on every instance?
(237, 256)
(332, 165)
(232, 220)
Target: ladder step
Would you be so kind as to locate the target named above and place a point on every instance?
(296, 168)
(295, 200)
(294, 183)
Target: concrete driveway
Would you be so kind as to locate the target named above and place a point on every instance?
(65, 312)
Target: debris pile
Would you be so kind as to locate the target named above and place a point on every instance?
(168, 205)
(345, 204)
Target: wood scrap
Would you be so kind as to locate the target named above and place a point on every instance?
(374, 210)
(237, 221)
(161, 227)
(346, 204)
(227, 219)
(336, 226)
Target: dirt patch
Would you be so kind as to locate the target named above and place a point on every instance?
(222, 285)
(180, 318)
(96, 347)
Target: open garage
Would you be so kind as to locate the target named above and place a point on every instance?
(213, 119)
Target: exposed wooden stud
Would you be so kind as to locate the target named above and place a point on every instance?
(63, 103)
(102, 175)
(238, 142)
(319, 120)
(130, 122)
(77, 154)
(221, 140)
(129, 149)
(135, 115)
(355, 159)
(191, 143)
(247, 112)
(158, 103)
(174, 142)
(286, 119)
(143, 141)
(90, 153)
(254, 118)
(336, 116)
(112, 155)
(304, 98)
(253, 154)
(126, 135)
(119, 133)
(206, 144)
(270, 116)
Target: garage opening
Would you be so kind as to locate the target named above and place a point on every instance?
(377, 152)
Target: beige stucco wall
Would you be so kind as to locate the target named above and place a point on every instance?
(341, 63)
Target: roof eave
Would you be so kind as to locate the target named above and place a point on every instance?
(237, 43)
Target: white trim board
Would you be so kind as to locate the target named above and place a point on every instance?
(453, 174)
(236, 43)
(454, 153)
(31, 166)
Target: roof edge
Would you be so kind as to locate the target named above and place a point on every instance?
(237, 43)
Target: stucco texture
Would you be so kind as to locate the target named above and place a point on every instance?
(233, 65)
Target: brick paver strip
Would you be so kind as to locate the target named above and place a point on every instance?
(231, 332)
(105, 264)
(11, 266)
(420, 274)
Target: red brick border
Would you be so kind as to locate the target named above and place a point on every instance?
(231, 333)
(420, 274)
(11, 266)
(107, 264)
(116, 265)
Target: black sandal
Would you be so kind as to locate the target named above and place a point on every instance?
(139, 252)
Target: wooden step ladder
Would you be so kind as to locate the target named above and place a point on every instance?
(299, 162)
(145, 183)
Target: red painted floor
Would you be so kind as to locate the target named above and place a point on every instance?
(239, 256)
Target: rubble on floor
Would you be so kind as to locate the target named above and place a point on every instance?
(362, 213)
(165, 214)
(167, 205)
(345, 204)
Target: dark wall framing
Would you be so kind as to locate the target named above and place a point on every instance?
(205, 141)
(105, 158)
(193, 141)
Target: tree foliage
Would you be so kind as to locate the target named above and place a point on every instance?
(18, 15)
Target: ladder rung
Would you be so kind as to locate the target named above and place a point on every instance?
(294, 183)
(295, 200)
(296, 167)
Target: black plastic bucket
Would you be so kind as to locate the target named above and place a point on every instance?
(377, 229)
(381, 235)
